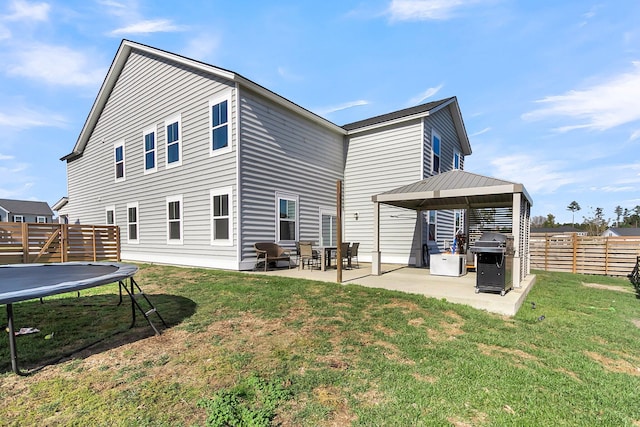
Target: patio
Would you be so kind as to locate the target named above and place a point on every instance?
(459, 290)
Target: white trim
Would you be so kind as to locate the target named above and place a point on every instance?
(457, 153)
(286, 196)
(18, 218)
(116, 145)
(137, 223)
(169, 121)
(331, 213)
(228, 191)
(111, 208)
(180, 220)
(218, 99)
(236, 108)
(43, 218)
(145, 132)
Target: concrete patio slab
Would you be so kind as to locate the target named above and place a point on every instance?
(459, 290)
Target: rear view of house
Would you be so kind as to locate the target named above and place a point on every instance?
(25, 211)
(196, 163)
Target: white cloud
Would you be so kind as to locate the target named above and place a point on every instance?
(148, 26)
(23, 118)
(480, 132)
(202, 47)
(25, 11)
(424, 10)
(6, 157)
(56, 65)
(346, 105)
(634, 135)
(425, 95)
(612, 103)
(538, 176)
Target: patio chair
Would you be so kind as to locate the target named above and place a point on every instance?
(271, 253)
(307, 254)
(353, 253)
(346, 255)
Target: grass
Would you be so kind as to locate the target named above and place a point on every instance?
(256, 350)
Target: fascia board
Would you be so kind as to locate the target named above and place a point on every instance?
(389, 123)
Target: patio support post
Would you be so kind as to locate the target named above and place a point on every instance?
(375, 255)
(515, 226)
(417, 240)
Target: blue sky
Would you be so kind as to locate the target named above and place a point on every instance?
(549, 90)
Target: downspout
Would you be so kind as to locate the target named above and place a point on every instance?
(238, 216)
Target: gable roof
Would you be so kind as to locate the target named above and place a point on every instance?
(127, 46)
(625, 231)
(413, 113)
(119, 61)
(26, 207)
(456, 189)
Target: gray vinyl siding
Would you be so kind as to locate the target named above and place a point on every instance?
(442, 122)
(379, 161)
(283, 152)
(148, 91)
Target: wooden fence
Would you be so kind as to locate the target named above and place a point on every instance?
(30, 243)
(610, 256)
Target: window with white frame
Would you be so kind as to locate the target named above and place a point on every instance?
(133, 223)
(41, 219)
(150, 150)
(459, 222)
(220, 134)
(432, 226)
(110, 215)
(173, 138)
(221, 216)
(174, 219)
(18, 218)
(435, 151)
(118, 157)
(456, 159)
(328, 231)
(287, 221)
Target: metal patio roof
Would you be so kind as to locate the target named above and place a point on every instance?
(455, 189)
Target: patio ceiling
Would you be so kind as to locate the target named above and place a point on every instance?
(455, 189)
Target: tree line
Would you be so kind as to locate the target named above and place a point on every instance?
(595, 223)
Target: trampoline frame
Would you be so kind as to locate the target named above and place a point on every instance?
(123, 272)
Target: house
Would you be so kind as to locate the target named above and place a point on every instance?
(25, 211)
(622, 232)
(196, 163)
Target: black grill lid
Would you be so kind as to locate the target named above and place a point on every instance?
(490, 242)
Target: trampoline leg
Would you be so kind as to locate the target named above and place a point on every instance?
(12, 342)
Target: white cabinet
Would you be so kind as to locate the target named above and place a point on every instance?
(448, 265)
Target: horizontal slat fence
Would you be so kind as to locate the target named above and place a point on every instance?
(22, 243)
(609, 256)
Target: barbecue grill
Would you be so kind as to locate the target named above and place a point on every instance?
(494, 264)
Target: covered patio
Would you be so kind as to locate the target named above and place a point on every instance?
(458, 290)
(459, 189)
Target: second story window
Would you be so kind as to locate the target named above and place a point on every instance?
(220, 132)
(174, 141)
(150, 151)
(456, 160)
(119, 161)
(435, 150)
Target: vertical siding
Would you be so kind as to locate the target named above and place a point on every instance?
(378, 161)
(148, 91)
(283, 152)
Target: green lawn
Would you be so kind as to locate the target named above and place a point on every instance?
(256, 350)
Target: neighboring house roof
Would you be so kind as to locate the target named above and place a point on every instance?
(625, 231)
(28, 207)
(556, 230)
(416, 112)
(456, 189)
(60, 203)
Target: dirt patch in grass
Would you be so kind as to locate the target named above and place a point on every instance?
(450, 328)
(331, 397)
(608, 287)
(514, 354)
(636, 322)
(614, 365)
(425, 378)
(569, 373)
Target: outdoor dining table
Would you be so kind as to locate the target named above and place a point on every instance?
(325, 256)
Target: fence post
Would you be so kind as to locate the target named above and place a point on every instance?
(93, 242)
(25, 243)
(606, 256)
(64, 244)
(575, 253)
(547, 243)
(117, 228)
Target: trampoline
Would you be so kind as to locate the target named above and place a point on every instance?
(21, 282)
